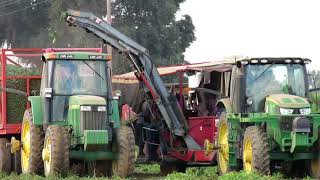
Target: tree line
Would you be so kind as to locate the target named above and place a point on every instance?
(152, 23)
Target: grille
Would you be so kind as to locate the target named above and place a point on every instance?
(92, 120)
(286, 123)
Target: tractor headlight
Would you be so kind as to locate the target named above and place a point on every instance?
(85, 108)
(102, 108)
(286, 111)
(305, 111)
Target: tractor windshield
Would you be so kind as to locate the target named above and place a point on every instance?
(75, 77)
(80, 77)
(267, 79)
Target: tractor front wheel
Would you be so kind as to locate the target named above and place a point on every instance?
(223, 143)
(256, 151)
(55, 153)
(125, 143)
(32, 144)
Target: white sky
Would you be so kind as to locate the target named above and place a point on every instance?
(254, 28)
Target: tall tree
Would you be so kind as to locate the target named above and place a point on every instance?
(152, 23)
(22, 20)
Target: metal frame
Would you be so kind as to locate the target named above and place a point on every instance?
(6, 128)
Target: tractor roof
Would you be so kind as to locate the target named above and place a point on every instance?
(76, 55)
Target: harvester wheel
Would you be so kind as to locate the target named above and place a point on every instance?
(256, 151)
(5, 156)
(32, 144)
(55, 153)
(222, 141)
(125, 143)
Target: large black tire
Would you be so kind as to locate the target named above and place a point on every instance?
(33, 138)
(57, 143)
(5, 156)
(124, 143)
(256, 139)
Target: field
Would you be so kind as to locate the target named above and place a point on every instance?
(153, 172)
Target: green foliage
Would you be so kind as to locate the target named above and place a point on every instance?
(152, 172)
(150, 169)
(249, 176)
(195, 173)
(16, 104)
(152, 23)
(20, 27)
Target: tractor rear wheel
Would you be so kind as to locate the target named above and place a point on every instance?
(223, 143)
(55, 153)
(5, 156)
(32, 144)
(125, 144)
(256, 151)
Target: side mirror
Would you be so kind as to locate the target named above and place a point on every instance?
(48, 92)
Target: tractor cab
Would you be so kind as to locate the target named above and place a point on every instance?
(271, 85)
(74, 81)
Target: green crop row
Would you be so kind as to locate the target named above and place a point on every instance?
(153, 172)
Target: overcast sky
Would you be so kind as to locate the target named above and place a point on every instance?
(254, 28)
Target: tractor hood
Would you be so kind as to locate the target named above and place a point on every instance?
(288, 101)
(86, 100)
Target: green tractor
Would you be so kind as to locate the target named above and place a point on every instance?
(266, 122)
(74, 123)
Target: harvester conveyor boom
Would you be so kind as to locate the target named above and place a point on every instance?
(144, 69)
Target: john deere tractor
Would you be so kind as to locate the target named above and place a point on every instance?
(266, 123)
(75, 120)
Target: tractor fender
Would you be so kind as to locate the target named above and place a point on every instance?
(226, 103)
(36, 108)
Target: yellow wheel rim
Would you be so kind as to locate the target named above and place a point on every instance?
(315, 168)
(247, 155)
(223, 155)
(25, 153)
(46, 155)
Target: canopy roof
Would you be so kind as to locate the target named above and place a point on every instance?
(220, 66)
